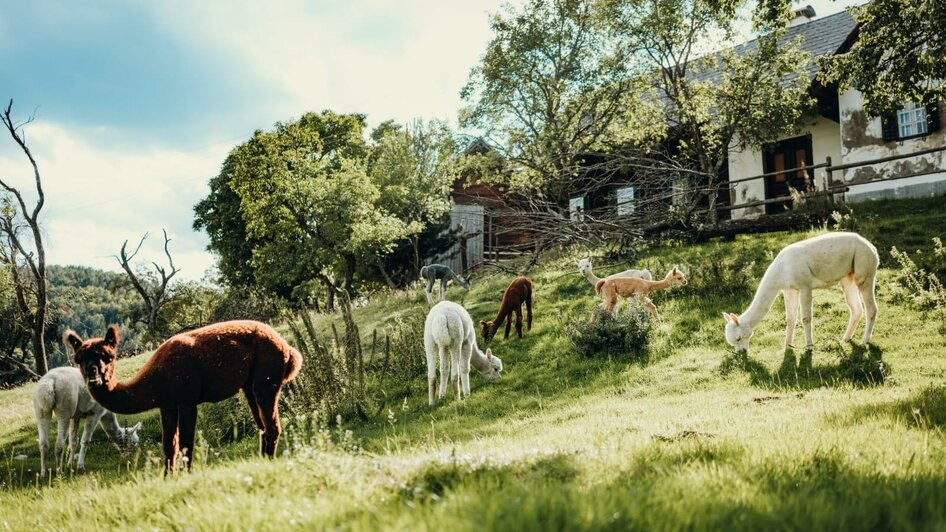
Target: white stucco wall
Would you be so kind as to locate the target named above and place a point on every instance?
(825, 142)
(862, 140)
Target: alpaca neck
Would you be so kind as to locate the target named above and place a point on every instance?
(762, 301)
(124, 397)
(479, 361)
(592, 278)
(110, 424)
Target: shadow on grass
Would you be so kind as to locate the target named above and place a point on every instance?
(925, 410)
(855, 364)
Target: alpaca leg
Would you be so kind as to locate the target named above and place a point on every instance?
(443, 289)
(870, 303)
(455, 378)
(187, 424)
(431, 377)
(429, 291)
(853, 298)
(254, 410)
(508, 319)
(169, 438)
(791, 298)
(267, 395)
(806, 300)
(652, 308)
(42, 425)
(444, 369)
(62, 429)
(519, 321)
(466, 351)
(87, 431)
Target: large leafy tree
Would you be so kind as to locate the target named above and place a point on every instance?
(898, 55)
(548, 89)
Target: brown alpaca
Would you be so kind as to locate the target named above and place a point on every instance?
(628, 287)
(518, 292)
(201, 366)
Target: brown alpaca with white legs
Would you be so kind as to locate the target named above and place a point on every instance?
(628, 287)
(205, 365)
(518, 292)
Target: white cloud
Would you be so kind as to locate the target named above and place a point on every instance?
(389, 59)
(97, 196)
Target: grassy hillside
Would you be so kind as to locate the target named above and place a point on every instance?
(690, 437)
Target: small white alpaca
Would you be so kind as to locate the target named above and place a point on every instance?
(449, 332)
(63, 391)
(818, 262)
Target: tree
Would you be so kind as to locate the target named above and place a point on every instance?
(152, 287)
(307, 206)
(413, 168)
(25, 254)
(897, 57)
(550, 85)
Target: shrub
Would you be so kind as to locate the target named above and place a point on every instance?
(626, 336)
(920, 288)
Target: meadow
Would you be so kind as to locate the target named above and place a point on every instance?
(688, 436)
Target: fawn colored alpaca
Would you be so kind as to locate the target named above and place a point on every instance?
(518, 292)
(62, 391)
(626, 287)
(449, 336)
(818, 262)
(205, 365)
(435, 272)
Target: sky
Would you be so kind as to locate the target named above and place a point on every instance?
(136, 104)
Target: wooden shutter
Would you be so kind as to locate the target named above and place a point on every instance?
(888, 127)
(932, 117)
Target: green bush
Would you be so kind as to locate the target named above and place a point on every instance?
(625, 336)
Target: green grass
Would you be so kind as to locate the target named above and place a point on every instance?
(690, 438)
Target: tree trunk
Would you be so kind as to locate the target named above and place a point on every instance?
(39, 346)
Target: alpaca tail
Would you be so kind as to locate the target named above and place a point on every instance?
(293, 365)
(44, 397)
(423, 272)
(599, 285)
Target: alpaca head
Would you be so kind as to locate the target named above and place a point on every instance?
(494, 369)
(676, 277)
(488, 330)
(130, 435)
(584, 266)
(737, 333)
(95, 357)
(465, 281)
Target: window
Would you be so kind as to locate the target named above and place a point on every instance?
(626, 201)
(576, 206)
(911, 120)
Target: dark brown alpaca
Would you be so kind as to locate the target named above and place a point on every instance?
(518, 292)
(201, 366)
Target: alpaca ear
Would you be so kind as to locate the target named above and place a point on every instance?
(72, 339)
(735, 319)
(137, 427)
(489, 353)
(111, 336)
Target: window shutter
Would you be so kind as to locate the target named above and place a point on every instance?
(888, 127)
(932, 117)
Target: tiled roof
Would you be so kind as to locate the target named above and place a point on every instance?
(820, 37)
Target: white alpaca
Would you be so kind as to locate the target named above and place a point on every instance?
(584, 267)
(449, 331)
(818, 262)
(63, 391)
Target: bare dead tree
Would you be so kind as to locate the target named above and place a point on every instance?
(26, 254)
(154, 294)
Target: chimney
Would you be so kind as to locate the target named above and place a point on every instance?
(802, 16)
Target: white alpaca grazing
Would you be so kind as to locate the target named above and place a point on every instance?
(63, 391)
(818, 262)
(450, 337)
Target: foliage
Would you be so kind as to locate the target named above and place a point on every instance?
(898, 55)
(919, 287)
(248, 303)
(624, 336)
